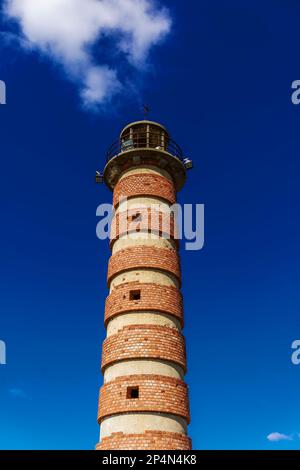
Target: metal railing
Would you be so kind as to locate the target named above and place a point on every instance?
(144, 140)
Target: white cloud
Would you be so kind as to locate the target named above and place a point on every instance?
(67, 30)
(100, 83)
(277, 436)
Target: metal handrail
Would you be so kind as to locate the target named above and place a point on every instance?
(144, 140)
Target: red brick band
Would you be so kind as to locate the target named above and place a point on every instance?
(143, 219)
(144, 342)
(165, 299)
(156, 394)
(150, 440)
(145, 184)
(144, 257)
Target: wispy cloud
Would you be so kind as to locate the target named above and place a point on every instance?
(68, 31)
(17, 393)
(277, 436)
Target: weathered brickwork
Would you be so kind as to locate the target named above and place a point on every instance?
(142, 342)
(145, 185)
(144, 257)
(156, 393)
(165, 299)
(148, 408)
(144, 220)
(150, 440)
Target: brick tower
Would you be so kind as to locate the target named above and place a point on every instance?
(144, 400)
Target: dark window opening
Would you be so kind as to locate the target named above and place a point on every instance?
(135, 295)
(135, 217)
(132, 392)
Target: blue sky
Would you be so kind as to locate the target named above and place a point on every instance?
(220, 79)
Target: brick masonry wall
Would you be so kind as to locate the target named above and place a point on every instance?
(150, 440)
(144, 257)
(149, 221)
(165, 299)
(157, 393)
(144, 342)
(153, 393)
(145, 185)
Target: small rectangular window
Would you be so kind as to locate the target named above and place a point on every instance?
(135, 217)
(132, 392)
(135, 295)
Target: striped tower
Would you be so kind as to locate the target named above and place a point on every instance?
(144, 400)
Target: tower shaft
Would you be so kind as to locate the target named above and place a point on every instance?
(144, 401)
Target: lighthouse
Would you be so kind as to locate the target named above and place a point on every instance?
(144, 403)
